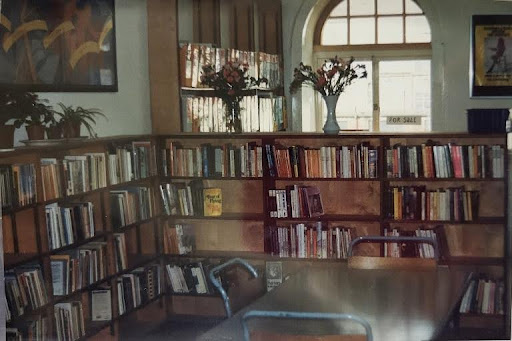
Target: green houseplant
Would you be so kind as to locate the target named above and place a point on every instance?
(72, 118)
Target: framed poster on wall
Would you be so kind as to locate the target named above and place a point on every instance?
(491, 56)
(58, 45)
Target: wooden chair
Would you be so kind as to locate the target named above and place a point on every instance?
(265, 335)
(366, 262)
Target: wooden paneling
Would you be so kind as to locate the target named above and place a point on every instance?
(163, 66)
(147, 238)
(475, 240)
(270, 26)
(242, 25)
(26, 231)
(8, 237)
(206, 21)
(201, 306)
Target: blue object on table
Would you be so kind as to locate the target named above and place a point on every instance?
(303, 315)
(386, 239)
(219, 287)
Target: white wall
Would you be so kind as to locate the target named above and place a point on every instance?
(450, 25)
(128, 110)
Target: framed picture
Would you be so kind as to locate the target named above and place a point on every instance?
(58, 45)
(491, 56)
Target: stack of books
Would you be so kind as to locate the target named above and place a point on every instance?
(132, 162)
(484, 296)
(416, 202)
(408, 249)
(69, 321)
(445, 161)
(79, 268)
(296, 201)
(17, 185)
(304, 241)
(67, 224)
(25, 289)
(208, 160)
(131, 205)
(138, 287)
(190, 278)
(358, 161)
(179, 239)
(84, 173)
(182, 199)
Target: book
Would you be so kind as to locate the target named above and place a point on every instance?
(101, 305)
(212, 202)
(274, 274)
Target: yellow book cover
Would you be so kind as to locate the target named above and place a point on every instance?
(212, 202)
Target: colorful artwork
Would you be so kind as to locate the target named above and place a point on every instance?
(58, 45)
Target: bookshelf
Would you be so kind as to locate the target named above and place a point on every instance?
(243, 229)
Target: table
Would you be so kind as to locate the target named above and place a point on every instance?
(399, 304)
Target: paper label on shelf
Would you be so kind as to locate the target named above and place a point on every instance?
(403, 120)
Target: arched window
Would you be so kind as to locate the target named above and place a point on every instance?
(392, 38)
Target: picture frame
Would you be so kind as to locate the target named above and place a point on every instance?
(491, 56)
(58, 46)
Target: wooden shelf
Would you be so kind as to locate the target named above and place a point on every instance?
(325, 179)
(171, 178)
(224, 216)
(142, 306)
(333, 217)
(474, 261)
(12, 261)
(98, 236)
(443, 179)
(487, 220)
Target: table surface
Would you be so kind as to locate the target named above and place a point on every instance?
(399, 304)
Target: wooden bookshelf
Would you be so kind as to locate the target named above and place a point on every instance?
(241, 229)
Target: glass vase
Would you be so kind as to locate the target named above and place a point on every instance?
(331, 125)
(233, 122)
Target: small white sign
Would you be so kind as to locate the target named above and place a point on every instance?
(403, 120)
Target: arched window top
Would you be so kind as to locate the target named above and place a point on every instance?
(372, 22)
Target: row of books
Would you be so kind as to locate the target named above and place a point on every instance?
(308, 241)
(484, 296)
(179, 239)
(446, 161)
(25, 290)
(120, 255)
(35, 328)
(190, 278)
(408, 249)
(17, 185)
(208, 160)
(296, 201)
(260, 64)
(67, 224)
(257, 114)
(52, 175)
(132, 162)
(138, 287)
(78, 268)
(191, 199)
(131, 205)
(69, 321)
(83, 173)
(418, 203)
(357, 161)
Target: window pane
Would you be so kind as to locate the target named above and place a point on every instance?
(355, 109)
(390, 30)
(389, 7)
(362, 31)
(362, 7)
(417, 30)
(340, 9)
(411, 7)
(404, 89)
(334, 32)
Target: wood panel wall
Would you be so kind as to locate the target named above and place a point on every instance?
(206, 21)
(270, 26)
(242, 25)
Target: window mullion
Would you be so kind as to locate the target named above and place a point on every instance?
(375, 94)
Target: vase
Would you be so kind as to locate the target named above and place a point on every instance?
(6, 136)
(233, 122)
(331, 125)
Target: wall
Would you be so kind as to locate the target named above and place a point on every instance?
(450, 25)
(128, 110)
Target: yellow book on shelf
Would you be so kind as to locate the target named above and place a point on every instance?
(212, 202)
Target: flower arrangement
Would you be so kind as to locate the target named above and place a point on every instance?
(331, 78)
(229, 84)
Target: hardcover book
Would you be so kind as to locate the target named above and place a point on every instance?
(212, 202)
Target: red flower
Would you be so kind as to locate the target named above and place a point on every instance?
(320, 71)
(231, 92)
(230, 79)
(321, 81)
(225, 73)
(331, 73)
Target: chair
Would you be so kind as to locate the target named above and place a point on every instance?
(219, 287)
(366, 262)
(265, 336)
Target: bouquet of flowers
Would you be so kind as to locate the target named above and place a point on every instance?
(331, 78)
(229, 84)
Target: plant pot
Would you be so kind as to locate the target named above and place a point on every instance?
(6, 136)
(54, 132)
(35, 132)
(71, 130)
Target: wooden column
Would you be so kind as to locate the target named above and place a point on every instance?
(163, 66)
(242, 25)
(207, 21)
(270, 26)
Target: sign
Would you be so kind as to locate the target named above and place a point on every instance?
(274, 272)
(403, 120)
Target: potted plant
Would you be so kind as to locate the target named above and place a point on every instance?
(8, 113)
(33, 113)
(72, 118)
